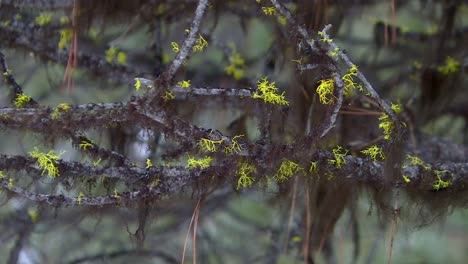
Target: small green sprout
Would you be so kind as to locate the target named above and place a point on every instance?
(235, 146)
(386, 125)
(11, 183)
(184, 84)
(373, 152)
(2, 176)
(203, 163)
(348, 80)
(325, 91)
(149, 163)
(60, 108)
(339, 156)
(43, 19)
(236, 67)
(313, 167)
(168, 96)
(208, 145)
(66, 35)
(137, 84)
(451, 66)
(406, 179)
(21, 100)
(244, 172)
(47, 161)
(175, 47)
(80, 198)
(286, 170)
(84, 145)
(269, 10)
(439, 183)
(200, 44)
(268, 92)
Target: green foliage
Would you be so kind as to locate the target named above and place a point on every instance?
(325, 91)
(269, 93)
(149, 163)
(245, 179)
(287, 170)
(203, 163)
(373, 152)
(21, 100)
(47, 161)
(339, 157)
(2, 176)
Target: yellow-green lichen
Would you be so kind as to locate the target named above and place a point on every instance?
(47, 161)
(59, 109)
(236, 67)
(21, 100)
(200, 44)
(268, 92)
(373, 152)
(451, 66)
(245, 178)
(286, 170)
(325, 91)
(339, 157)
(184, 84)
(203, 163)
(43, 18)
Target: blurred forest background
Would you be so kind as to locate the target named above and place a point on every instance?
(412, 52)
